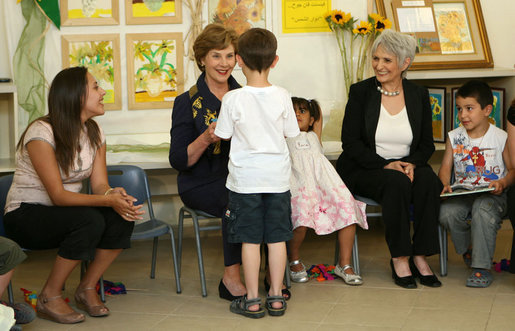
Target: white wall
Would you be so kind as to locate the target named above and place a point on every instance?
(309, 66)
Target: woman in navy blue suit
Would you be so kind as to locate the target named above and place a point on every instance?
(387, 141)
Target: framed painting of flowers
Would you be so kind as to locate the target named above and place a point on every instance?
(154, 69)
(241, 15)
(101, 55)
(153, 11)
(450, 34)
(89, 12)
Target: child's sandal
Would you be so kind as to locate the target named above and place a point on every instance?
(241, 306)
(275, 311)
(480, 278)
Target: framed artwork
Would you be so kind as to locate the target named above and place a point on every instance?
(437, 100)
(100, 53)
(301, 16)
(496, 116)
(240, 15)
(154, 69)
(89, 12)
(450, 34)
(153, 11)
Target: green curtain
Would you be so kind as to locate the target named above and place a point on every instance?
(29, 58)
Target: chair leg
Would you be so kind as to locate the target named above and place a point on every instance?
(287, 274)
(199, 254)
(154, 254)
(179, 240)
(355, 255)
(174, 257)
(10, 293)
(442, 236)
(102, 290)
(336, 251)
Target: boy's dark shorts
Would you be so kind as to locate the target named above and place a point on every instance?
(259, 217)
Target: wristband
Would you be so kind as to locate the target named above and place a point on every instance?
(109, 190)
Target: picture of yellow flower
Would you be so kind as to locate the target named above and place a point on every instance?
(241, 15)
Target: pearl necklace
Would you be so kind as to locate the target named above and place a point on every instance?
(389, 94)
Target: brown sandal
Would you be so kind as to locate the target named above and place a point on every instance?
(45, 312)
(93, 311)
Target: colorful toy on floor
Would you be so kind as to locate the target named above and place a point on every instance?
(321, 272)
(111, 288)
(504, 265)
(31, 297)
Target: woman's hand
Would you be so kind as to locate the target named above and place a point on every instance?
(123, 204)
(209, 134)
(405, 167)
(409, 170)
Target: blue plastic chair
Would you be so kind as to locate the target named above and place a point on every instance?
(134, 180)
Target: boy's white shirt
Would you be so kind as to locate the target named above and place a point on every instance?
(257, 119)
(491, 146)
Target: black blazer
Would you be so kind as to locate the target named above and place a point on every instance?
(360, 124)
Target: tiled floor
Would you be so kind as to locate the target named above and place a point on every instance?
(152, 304)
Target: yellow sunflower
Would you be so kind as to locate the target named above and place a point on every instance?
(382, 23)
(363, 28)
(340, 17)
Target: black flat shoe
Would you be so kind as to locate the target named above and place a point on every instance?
(285, 292)
(406, 282)
(429, 280)
(224, 293)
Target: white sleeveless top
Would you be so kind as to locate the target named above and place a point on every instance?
(478, 161)
(393, 134)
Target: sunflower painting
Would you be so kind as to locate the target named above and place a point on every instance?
(101, 55)
(240, 15)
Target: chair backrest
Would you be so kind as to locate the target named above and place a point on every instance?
(5, 185)
(134, 180)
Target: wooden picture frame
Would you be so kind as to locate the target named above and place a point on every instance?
(496, 117)
(97, 12)
(154, 69)
(436, 46)
(438, 106)
(155, 12)
(100, 53)
(240, 16)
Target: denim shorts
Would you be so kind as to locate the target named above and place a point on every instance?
(259, 217)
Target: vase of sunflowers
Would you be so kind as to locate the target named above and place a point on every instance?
(354, 41)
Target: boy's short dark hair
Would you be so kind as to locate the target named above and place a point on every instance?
(257, 47)
(478, 90)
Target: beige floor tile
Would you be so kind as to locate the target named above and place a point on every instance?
(501, 320)
(153, 304)
(359, 314)
(445, 319)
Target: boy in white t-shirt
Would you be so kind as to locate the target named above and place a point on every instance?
(257, 118)
(477, 153)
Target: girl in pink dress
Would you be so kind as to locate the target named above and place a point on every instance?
(320, 200)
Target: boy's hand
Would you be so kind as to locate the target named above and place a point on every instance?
(446, 189)
(498, 186)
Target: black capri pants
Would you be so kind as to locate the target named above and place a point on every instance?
(76, 231)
